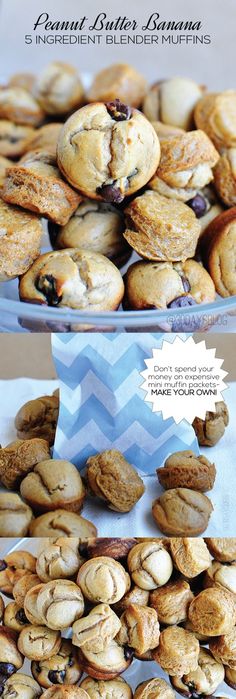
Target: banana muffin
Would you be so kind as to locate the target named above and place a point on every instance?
(38, 418)
(19, 458)
(184, 469)
(119, 80)
(62, 668)
(53, 485)
(113, 479)
(20, 240)
(14, 138)
(210, 430)
(215, 113)
(182, 511)
(19, 106)
(58, 88)
(172, 101)
(61, 523)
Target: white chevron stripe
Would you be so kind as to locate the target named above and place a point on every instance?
(91, 385)
(111, 351)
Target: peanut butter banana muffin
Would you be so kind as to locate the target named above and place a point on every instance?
(11, 658)
(61, 523)
(184, 469)
(185, 166)
(221, 575)
(53, 485)
(213, 612)
(15, 515)
(224, 648)
(155, 688)
(172, 601)
(74, 278)
(23, 585)
(182, 511)
(217, 244)
(215, 113)
(58, 560)
(166, 285)
(210, 430)
(191, 556)
(177, 652)
(225, 177)
(172, 102)
(230, 677)
(113, 479)
(31, 604)
(161, 229)
(135, 596)
(35, 183)
(4, 164)
(66, 692)
(14, 138)
(108, 151)
(21, 686)
(96, 631)
(62, 668)
(165, 131)
(107, 689)
(107, 664)
(38, 418)
(118, 80)
(20, 240)
(58, 89)
(204, 680)
(19, 106)
(45, 138)
(14, 567)
(60, 603)
(38, 642)
(14, 617)
(223, 549)
(149, 564)
(25, 80)
(139, 628)
(103, 579)
(20, 457)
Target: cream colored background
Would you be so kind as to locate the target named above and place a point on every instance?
(213, 65)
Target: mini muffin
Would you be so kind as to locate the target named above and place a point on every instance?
(53, 485)
(225, 176)
(165, 131)
(184, 469)
(108, 151)
(217, 244)
(25, 80)
(215, 113)
(191, 556)
(58, 89)
(167, 285)
(31, 604)
(171, 602)
(15, 515)
(139, 628)
(75, 278)
(20, 240)
(22, 586)
(94, 226)
(185, 166)
(4, 164)
(204, 680)
(18, 105)
(172, 102)
(154, 688)
(213, 612)
(223, 549)
(107, 664)
(21, 686)
(230, 677)
(11, 658)
(221, 575)
(118, 80)
(60, 603)
(61, 523)
(98, 689)
(113, 479)
(14, 617)
(58, 560)
(38, 642)
(182, 511)
(65, 692)
(38, 418)
(14, 566)
(177, 652)
(210, 430)
(14, 138)
(35, 183)
(149, 564)
(161, 229)
(20, 457)
(135, 596)
(224, 648)
(62, 668)
(103, 579)
(45, 138)
(96, 631)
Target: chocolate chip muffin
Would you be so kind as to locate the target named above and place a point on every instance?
(172, 101)
(19, 106)
(58, 89)
(62, 668)
(215, 114)
(14, 617)
(191, 556)
(19, 458)
(119, 80)
(38, 418)
(184, 469)
(149, 564)
(103, 579)
(15, 515)
(182, 511)
(96, 631)
(210, 430)
(14, 138)
(213, 612)
(14, 567)
(172, 601)
(61, 523)
(11, 658)
(177, 652)
(74, 278)
(58, 560)
(107, 664)
(21, 686)
(53, 485)
(108, 151)
(38, 642)
(20, 240)
(60, 603)
(99, 689)
(113, 479)
(139, 628)
(204, 680)
(223, 549)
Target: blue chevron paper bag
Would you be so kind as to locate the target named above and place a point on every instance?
(102, 405)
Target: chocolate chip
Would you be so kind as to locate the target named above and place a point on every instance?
(128, 652)
(182, 302)
(118, 110)
(20, 616)
(7, 669)
(111, 193)
(186, 285)
(47, 284)
(3, 565)
(198, 205)
(56, 676)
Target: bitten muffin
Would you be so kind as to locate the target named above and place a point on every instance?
(107, 664)
(161, 229)
(210, 430)
(62, 668)
(113, 479)
(53, 485)
(96, 631)
(215, 113)
(155, 688)
(58, 560)
(177, 652)
(191, 556)
(213, 612)
(204, 680)
(99, 689)
(15, 515)
(103, 579)
(14, 138)
(19, 106)
(58, 89)
(38, 418)
(20, 240)
(139, 628)
(20, 457)
(21, 686)
(185, 166)
(184, 469)
(38, 642)
(74, 278)
(217, 244)
(14, 567)
(45, 139)
(182, 511)
(167, 285)
(149, 564)
(223, 549)
(108, 151)
(118, 80)
(61, 523)
(36, 184)
(60, 603)
(172, 101)
(172, 601)
(225, 177)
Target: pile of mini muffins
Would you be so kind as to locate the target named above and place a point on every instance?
(131, 168)
(50, 493)
(117, 600)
